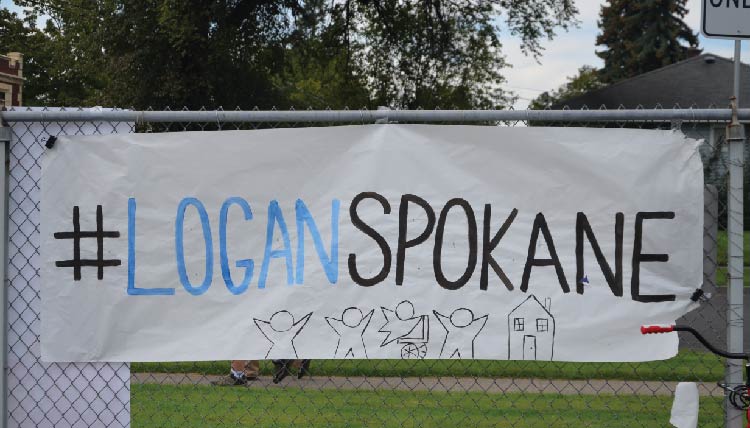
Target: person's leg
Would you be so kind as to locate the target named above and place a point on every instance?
(304, 368)
(281, 369)
(252, 369)
(236, 375)
(238, 365)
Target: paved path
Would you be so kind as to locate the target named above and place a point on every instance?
(445, 384)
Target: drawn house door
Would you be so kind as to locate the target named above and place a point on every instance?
(529, 347)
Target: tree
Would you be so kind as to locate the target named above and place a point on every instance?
(47, 70)
(317, 70)
(18, 35)
(586, 80)
(417, 55)
(642, 35)
(282, 53)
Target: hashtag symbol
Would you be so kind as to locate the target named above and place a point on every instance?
(100, 263)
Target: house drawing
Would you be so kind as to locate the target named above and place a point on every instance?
(531, 330)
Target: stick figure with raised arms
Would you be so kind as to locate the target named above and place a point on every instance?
(281, 330)
(351, 330)
(461, 329)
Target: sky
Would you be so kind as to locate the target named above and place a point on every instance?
(568, 51)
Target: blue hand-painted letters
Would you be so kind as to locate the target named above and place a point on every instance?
(276, 228)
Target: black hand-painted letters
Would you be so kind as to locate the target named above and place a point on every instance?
(583, 232)
(614, 281)
(403, 243)
(638, 258)
(437, 259)
(369, 231)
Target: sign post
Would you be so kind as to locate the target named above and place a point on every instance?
(730, 19)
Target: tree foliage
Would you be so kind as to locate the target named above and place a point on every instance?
(50, 77)
(284, 53)
(586, 80)
(642, 35)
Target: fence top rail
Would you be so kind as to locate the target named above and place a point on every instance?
(370, 116)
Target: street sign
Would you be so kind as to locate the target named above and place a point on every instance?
(726, 19)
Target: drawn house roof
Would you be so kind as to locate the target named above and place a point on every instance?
(702, 81)
(530, 301)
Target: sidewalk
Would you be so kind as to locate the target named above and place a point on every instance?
(445, 384)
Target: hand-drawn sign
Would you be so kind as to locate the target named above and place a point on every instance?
(384, 241)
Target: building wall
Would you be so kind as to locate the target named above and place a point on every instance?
(11, 79)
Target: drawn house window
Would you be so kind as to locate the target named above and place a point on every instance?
(542, 324)
(518, 324)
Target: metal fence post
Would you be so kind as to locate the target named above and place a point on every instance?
(735, 268)
(5, 134)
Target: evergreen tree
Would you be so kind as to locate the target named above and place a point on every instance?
(642, 35)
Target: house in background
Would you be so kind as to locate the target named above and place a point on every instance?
(531, 330)
(11, 80)
(702, 81)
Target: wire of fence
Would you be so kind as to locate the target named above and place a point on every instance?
(389, 393)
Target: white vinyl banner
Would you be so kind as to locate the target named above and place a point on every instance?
(378, 241)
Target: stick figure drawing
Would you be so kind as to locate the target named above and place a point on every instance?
(410, 331)
(281, 330)
(461, 329)
(351, 329)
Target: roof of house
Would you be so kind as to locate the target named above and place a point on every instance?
(702, 81)
(538, 305)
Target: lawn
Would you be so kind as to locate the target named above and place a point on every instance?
(721, 259)
(687, 366)
(166, 406)
(722, 248)
(721, 276)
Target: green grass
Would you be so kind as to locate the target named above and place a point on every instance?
(721, 258)
(721, 276)
(687, 366)
(721, 238)
(165, 406)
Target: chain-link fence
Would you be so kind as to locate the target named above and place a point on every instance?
(351, 393)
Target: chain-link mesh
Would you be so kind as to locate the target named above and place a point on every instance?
(344, 393)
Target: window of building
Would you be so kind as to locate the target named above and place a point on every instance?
(542, 324)
(518, 324)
